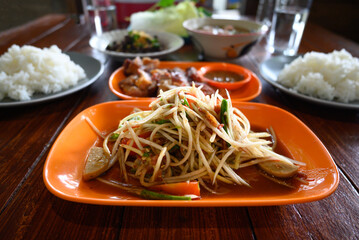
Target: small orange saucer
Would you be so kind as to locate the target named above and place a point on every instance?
(230, 69)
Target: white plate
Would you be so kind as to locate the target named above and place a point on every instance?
(169, 41)
(270, 70)
(93, 69)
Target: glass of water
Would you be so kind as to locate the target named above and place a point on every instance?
(100, 15)
(288, 22)
(265, 12)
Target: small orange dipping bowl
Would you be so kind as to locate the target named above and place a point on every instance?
(225, 75)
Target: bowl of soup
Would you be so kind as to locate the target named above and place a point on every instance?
(225, 75)
(224, 38)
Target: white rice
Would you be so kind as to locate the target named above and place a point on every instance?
(332, 76)
(27, 70)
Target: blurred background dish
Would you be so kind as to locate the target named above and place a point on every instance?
(270, 70)
(224, 39)
(166, 18)
(93, 69)
(169, 43)
(245, 93)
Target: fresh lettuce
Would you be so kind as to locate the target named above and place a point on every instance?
(167, 19)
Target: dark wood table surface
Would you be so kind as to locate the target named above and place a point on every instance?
(30, 211)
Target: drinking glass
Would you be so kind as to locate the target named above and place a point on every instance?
(288, 23)
(100, 15)
(265, 11)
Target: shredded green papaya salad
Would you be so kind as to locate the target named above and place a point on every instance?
(185, 140)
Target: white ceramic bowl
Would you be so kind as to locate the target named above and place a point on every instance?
(169, 41)
(224, 46)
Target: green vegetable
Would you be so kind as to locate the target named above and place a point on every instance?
(185, 102)
(165, 3)
(135, 37)
(224, 116)
(135, 118)
(146, 194)
(156, 44)
(161, 121)
(169, 17)
(114, 136)
(203, 11)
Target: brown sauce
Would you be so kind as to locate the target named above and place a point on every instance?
(224, 76)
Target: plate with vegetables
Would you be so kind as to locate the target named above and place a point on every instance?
(135, 43)
(188, 149)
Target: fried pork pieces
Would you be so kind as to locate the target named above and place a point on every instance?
(144, 78)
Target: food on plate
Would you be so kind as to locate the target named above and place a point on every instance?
(188, 139)
(280, 169)
(223, 30)
(167, 18)
(220, 46)
(27, 70)
(136, 42)
(144, 78)
(96, 163)
(333, 76)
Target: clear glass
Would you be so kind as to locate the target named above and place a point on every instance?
(265, 11)
(100, 15)
(288, 23)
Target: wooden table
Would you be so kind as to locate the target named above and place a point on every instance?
(30, 211)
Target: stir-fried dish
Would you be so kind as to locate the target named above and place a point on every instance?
(187, 139)
(136, 42)
(144, 78)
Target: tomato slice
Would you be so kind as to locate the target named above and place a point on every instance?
(181, 188)
(126, 141)
(145, 135)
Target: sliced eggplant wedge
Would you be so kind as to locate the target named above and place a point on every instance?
(96, 163)
(280, 169)
(287, 182)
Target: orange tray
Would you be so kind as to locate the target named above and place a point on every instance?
(64, 164)
(245, 93)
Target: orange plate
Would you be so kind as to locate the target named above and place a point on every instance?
(245, 93)
(64, 164)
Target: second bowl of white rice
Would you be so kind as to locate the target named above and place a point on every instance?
(333, 76)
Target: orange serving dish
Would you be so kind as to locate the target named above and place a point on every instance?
(64, 164)
(245, 93)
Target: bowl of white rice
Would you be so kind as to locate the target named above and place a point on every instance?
(332, 77)
(27, 70)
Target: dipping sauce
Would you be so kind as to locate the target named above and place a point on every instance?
(224, 76)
